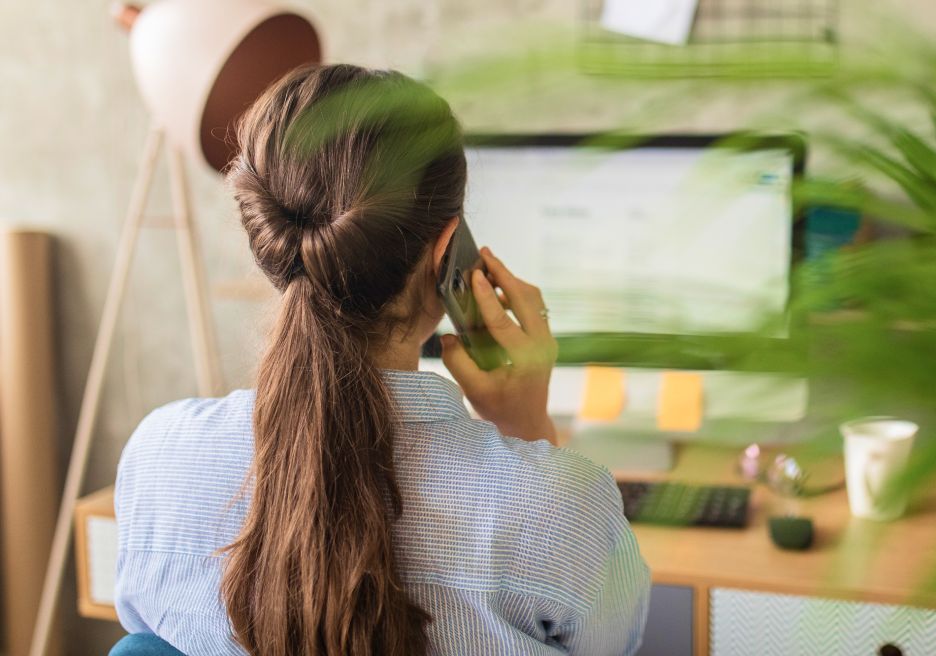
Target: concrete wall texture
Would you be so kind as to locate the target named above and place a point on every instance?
(72, 126)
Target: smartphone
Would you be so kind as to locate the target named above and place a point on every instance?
(459, 262)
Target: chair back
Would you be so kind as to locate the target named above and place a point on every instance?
(143, 644)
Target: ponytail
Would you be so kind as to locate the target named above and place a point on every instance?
(312, 571)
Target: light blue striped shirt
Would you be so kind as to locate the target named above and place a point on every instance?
(512, 547)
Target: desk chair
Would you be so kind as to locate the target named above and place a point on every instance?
(144, 644)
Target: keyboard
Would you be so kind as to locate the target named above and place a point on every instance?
(681, 504)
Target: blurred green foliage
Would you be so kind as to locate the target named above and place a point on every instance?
(863, 318)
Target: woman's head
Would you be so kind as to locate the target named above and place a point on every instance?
(345, 177)
(348, 180)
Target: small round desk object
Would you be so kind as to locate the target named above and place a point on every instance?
(791, 533)
(781, 473)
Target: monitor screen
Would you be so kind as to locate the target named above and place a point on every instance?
(672, 240)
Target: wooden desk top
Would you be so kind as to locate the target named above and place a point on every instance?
(850, 558)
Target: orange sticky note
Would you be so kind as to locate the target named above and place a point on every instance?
(604, 395)
(680, 406)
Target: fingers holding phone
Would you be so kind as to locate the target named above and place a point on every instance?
(525, 301)
(528, 342)
(512, 396)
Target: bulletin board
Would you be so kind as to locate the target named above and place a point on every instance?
(729, 38)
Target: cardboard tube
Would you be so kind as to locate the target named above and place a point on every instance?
(29, 484)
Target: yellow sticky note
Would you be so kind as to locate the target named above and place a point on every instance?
(604, 395)
(680, 406)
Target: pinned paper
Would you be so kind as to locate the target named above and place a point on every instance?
(680, 405)
(604, 395)
(666, 21)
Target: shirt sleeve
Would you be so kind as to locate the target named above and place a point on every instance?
(615, 623)
(601, 555)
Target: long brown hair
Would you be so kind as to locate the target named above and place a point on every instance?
(344, 177)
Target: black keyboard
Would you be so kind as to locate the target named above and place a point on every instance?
(680, 504)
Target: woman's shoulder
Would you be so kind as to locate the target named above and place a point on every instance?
(561, 470)
(551, 485)
(225, 409)
(191, 424)
(186, 458)
(204, 408)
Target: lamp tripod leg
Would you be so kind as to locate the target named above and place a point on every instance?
(92, 394)
(201, 324)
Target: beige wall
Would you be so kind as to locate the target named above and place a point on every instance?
(72, 125)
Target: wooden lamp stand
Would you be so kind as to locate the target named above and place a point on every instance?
(201, 328)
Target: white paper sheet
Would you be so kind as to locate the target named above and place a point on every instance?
(666, 21)
(102, 559)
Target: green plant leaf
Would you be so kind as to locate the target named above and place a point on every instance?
(917, 188)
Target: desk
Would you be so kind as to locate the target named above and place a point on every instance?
(851, 559)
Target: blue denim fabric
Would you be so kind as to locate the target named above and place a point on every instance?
(144, 644)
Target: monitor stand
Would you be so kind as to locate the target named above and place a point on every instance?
(622, 450)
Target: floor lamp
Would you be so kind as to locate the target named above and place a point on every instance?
(198, 64)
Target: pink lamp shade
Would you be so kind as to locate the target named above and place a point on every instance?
(200, 63)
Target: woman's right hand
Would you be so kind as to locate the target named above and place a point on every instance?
(513, 396)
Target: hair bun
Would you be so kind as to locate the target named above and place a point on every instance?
(274, 233)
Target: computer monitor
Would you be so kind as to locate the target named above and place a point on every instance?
(649, 252)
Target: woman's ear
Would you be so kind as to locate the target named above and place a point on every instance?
(438, 250)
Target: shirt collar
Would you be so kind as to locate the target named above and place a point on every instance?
(423, 396)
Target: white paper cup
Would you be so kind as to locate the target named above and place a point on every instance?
(877, 450)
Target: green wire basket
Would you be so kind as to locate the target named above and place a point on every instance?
(729, 38)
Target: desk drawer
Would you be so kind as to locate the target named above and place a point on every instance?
(669, 623)
(747, 623)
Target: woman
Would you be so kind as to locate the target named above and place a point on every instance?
(350, 505)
